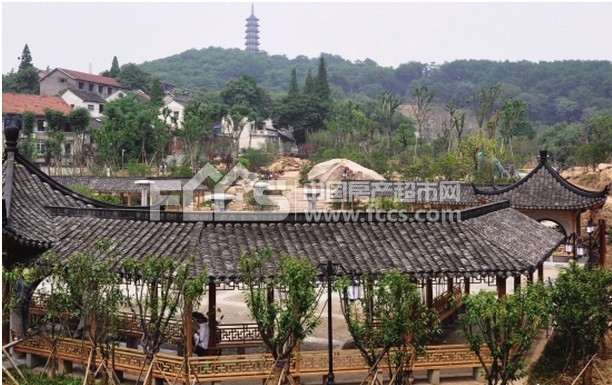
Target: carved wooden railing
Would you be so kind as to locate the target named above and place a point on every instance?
(442, 303)
(235, 335)
(232, 335)
(248, 366)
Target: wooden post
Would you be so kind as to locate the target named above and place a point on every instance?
(188, 327)
(212, 316)
(602, 242)
(428, 293)
(541, 273)
(466, 288)
(517, 282)
(501, 287)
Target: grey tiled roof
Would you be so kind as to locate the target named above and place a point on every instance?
(493, 240)
(88, 96)
(489, 240)
(124, 184)
(26, 192)
(418, 192)
(544, 188)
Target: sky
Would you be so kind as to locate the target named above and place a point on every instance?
(86, 36)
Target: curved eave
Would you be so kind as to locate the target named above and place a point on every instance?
(593, 206)
(562, 181)
(26, 241)
(55, 185)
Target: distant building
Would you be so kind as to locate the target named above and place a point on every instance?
(173, 112)
(259, 136)
(252, 32)
(15, 105)
(55, 82)
(94, 103)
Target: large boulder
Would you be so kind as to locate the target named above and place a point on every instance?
(333, 169)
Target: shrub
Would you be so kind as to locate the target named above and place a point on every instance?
(138, 169)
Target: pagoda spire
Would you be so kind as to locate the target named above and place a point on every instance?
(252, 32)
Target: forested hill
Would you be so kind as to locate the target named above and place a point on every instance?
(554, 91)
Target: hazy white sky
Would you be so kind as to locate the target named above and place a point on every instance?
(85, 36)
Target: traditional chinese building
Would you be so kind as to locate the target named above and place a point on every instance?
(544, 195)
(486, 244)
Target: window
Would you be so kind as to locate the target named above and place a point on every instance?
(62, 80)
(176, 115)
(81, 85)
(90, 107)
(40, 125)
(40, 146)
(110, 91)
(100, 89)
(91, 88)
(101, 108)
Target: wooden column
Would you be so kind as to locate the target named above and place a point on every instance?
(450, 283)
(517, 282)
(466, 285)
(428, 293)
(188, 327)
(212, 316)
(501, 287)
(602, 242)
(541, 273)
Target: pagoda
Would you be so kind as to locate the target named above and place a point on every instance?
(252, 32)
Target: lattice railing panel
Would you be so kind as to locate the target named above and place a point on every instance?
(228, 367)
(220, 368)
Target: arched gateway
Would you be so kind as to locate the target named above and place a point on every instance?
(487, 243)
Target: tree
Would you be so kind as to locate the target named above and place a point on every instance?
(293, 85)
(158, 287)
(582, 309)
(114, 70)
(55, 138)
(244, 91)
(514, 122)
(282, 299)
(238, 117)
(156, 93)
(390, 320)
(321, 84)
(483, 105)
(79, 122)
(25, 80)
(121, 130)
(26, 59)
(422, 110)
(506, 326)
(96, 293)
(561, 141)
(387, 105)
(133, 78)
(197, 126)
(456, 120)
(27, 144)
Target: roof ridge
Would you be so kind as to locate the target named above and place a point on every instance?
(556, 176)
(55, 185)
